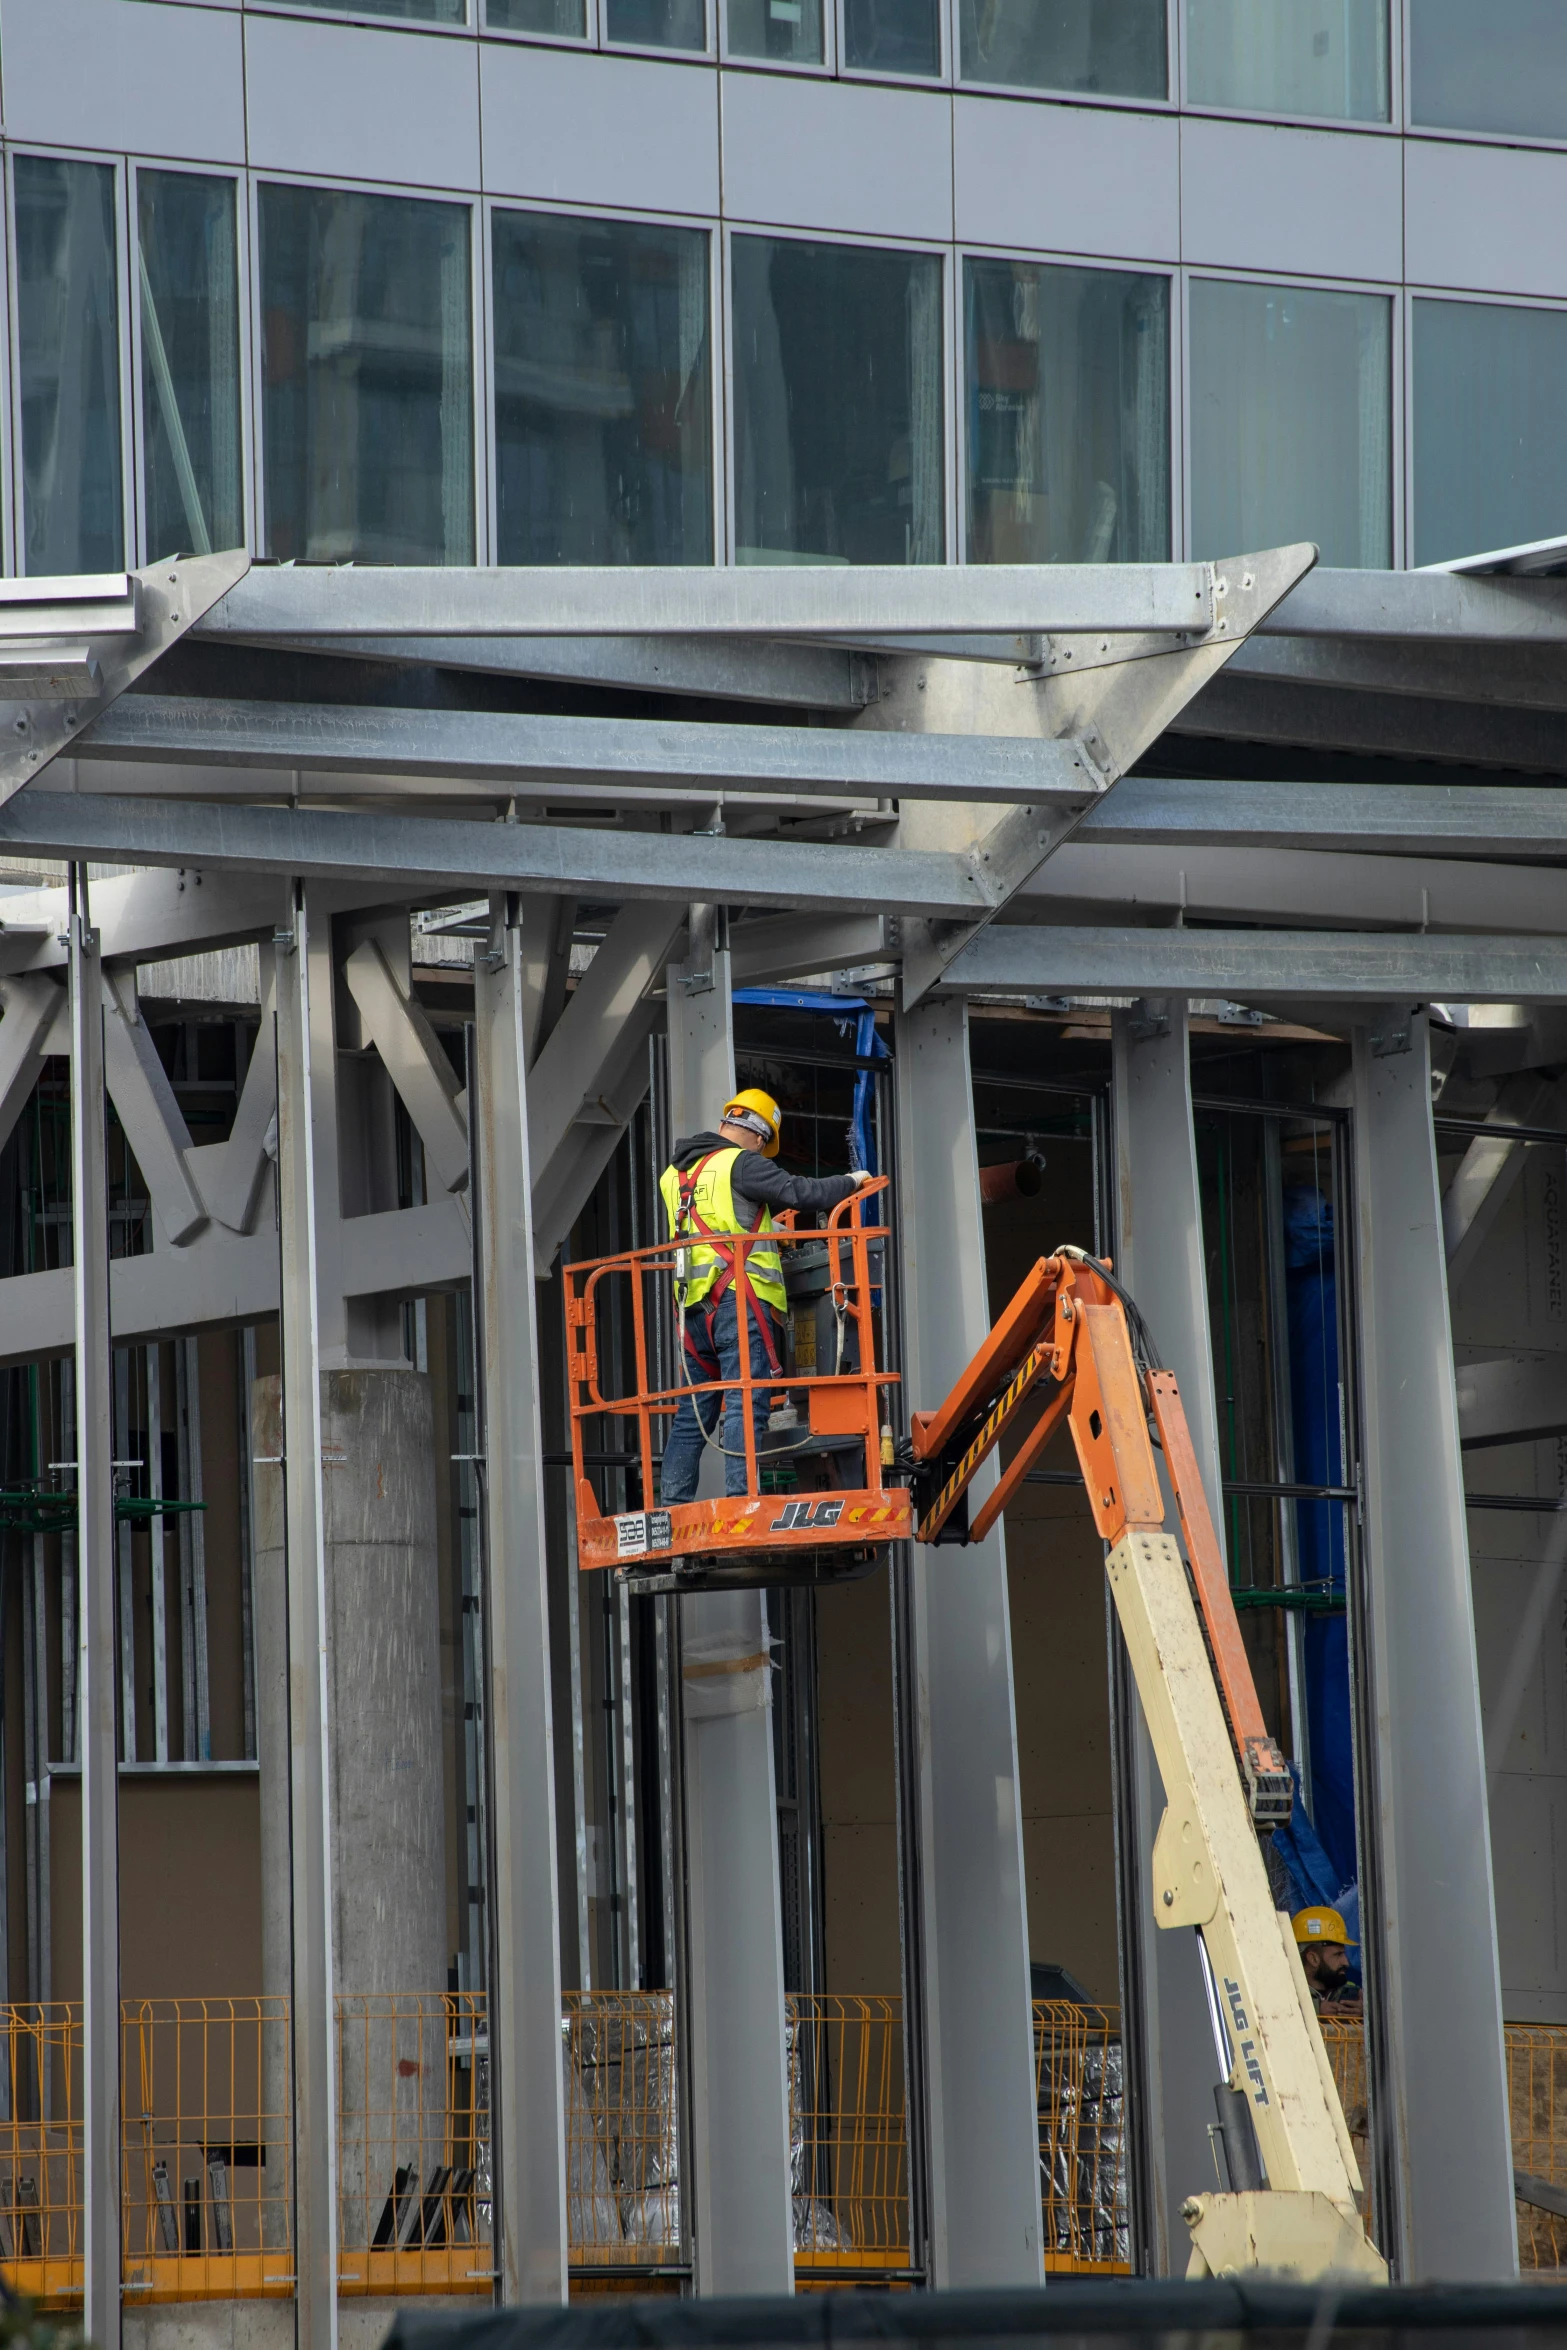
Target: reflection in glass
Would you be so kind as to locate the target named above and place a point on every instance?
(603, 410)
(657, 24)
(367, 377)
(1116, 47)
(1316, 57)
(1490, 457)
(424, 11)
(838, 408)
(187, 286)
(1067, 397)
(788, 31)
(1291, 421)
(1502, 67)
(892, 36)
(567, 20)
(68, 361)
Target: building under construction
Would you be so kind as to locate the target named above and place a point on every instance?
(562, 565)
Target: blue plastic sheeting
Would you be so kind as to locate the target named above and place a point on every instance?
(1312, 1297)
(849, 1012)
(1315, 1881)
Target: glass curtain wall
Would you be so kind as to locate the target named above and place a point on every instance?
(789, 32)
(1498, 68)
(565, 20)
(1291, 421)
(367, 377)
(188, 288)
(68, 365)
(1115, 48)
(1068, 409)
(1315, 57)
(603, 409)
(892, 36)
(656, 24)
(1490, 458)
(418, 11)
(838, 404)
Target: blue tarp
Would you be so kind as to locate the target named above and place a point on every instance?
(1319, 1460)
(850, 1012)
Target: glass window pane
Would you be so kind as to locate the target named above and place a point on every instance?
(657, 24)
(788, 31)
(68, 361)
(188, 287)
(1490, 456)
(367, 377)
(566, 20)
(1067, 385)
(838, 408)
(1502, 67)
(1117, 47)
(425, 11)
(1292, 413)
(603, 401)
(1321, 57)
(892, 36)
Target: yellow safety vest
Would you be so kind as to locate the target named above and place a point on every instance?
(705, 1197)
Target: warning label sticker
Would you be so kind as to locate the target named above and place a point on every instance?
(631, 1535)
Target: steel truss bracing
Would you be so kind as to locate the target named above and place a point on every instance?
(977, 782)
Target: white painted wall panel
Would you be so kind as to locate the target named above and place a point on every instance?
(1304, 203)
(1485, 217)
(354, 102)
(1067, 179)
(625, 133)
(837, 155)
(150, 80)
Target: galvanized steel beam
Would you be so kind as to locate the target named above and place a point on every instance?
(972, 1984)
(409, 856)
(1161, 1258)
(525, 1996)
(89, 1278)
(1519, 1399)
(814, 601)
(1042, 959)
(738, 2158)
(1426, 1877)
(313, 2035)
(1442, 606)
(1393, 726)
(1489, 820)
(511, 749)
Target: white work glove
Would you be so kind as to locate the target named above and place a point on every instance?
(860, 1175)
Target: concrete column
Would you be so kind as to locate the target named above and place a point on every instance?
(739, 2154)
(1159, 1254)
(981, 2124)
(1439, 2099)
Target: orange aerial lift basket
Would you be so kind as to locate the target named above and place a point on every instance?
(819, 1503)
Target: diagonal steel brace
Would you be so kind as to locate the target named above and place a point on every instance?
(64, 643)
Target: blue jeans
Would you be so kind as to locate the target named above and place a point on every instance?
(715, 1354)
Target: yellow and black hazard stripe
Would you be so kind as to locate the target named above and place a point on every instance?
(1000, 1411)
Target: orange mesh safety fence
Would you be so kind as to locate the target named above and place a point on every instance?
(413, 2143)
(848, 2145)
(1080, 2096)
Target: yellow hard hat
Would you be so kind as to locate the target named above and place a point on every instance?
(1322, 1925)
(759, 1114)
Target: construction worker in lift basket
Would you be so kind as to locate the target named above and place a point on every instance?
(1325, 1944)
(716, 1184)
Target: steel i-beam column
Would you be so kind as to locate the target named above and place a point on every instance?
(1159, 1252)
(981, 2124)
(531, 2250)
(311, 1974)
(1434, 1982)
(739, 2153)
(97, 1665)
